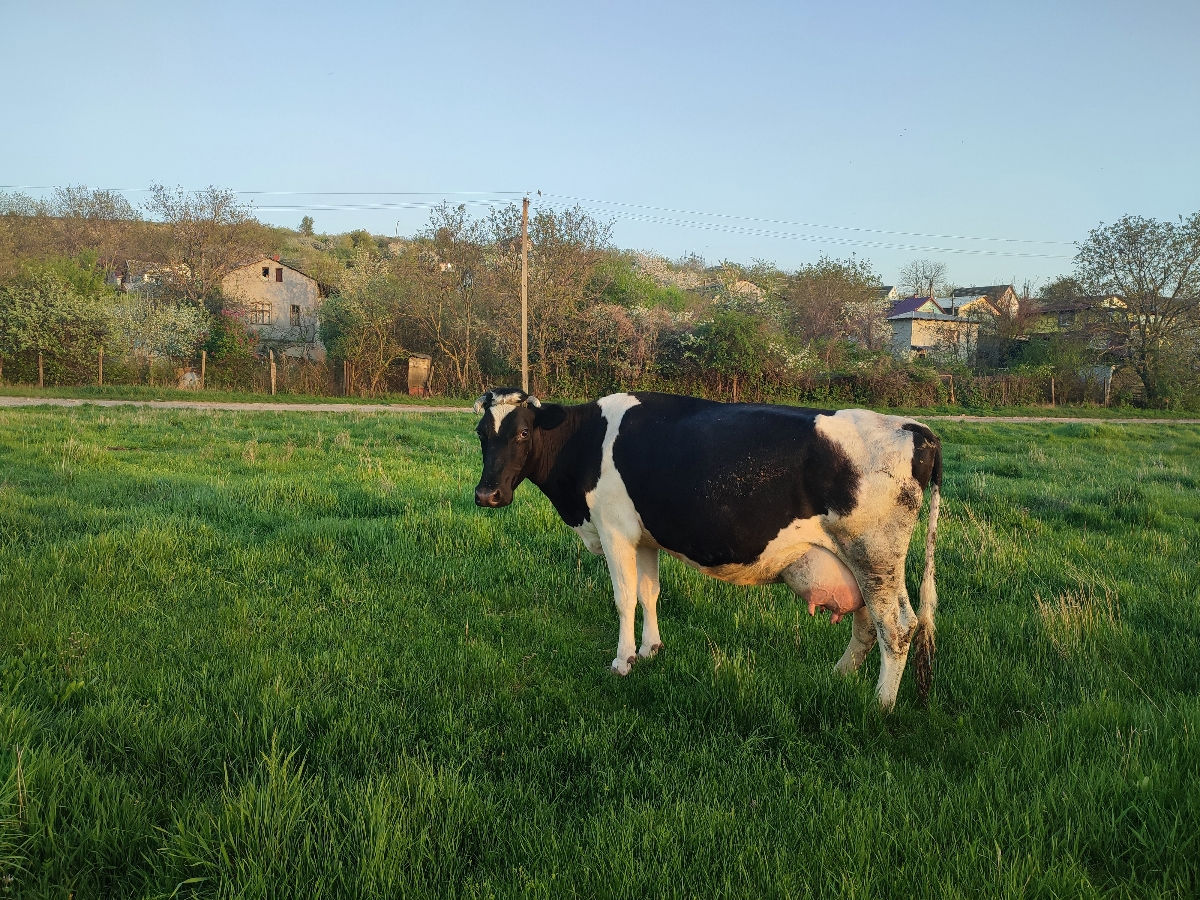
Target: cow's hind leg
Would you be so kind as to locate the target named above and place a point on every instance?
(895, 623)
(862, 639)
(647, 591)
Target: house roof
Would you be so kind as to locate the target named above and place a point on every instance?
(953, 303)
(991, 291)
(910, 304)
(1078, 304)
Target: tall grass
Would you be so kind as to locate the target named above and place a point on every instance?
(283, 654)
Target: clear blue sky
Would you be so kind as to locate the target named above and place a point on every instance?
(1020, 120)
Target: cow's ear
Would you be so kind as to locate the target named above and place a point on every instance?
(550, 416)
(482, 402)
(533, 401)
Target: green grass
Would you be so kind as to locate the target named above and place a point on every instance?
(253, 654)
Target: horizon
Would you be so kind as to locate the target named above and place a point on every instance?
(766, 133)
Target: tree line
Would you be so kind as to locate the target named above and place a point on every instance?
(600, 318)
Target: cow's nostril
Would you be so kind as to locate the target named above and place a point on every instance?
(487, 496)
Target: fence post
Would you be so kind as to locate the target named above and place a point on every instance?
(1052, 390)
(203, 363)
(271, 354)
(100, 369)
(41, 371)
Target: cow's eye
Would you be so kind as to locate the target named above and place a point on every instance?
(524, 433)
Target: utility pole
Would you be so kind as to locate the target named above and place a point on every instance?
(525, 295)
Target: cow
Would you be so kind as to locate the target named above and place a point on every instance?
(825, 501)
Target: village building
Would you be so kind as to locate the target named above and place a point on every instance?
(281, 304)
(1002, 298)
(921, 327)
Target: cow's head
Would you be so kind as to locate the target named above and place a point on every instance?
(506, 435)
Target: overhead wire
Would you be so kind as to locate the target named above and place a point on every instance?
(716, 222)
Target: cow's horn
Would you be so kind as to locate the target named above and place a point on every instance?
(482, 402)
(533, 401)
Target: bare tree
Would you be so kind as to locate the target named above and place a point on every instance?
(924, 278)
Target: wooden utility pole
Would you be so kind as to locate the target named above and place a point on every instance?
(525, 295)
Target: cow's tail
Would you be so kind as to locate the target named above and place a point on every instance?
(925, 633)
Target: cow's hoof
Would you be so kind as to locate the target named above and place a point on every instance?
(622, 668)
(650, 651)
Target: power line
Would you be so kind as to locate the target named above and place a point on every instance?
(688, 212)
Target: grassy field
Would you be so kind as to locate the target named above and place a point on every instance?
(284, 655)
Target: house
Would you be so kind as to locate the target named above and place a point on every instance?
(281, 305)
(919, 333)
(1001, 297)
(977, 307)
(1076, 313)
(914, 304)
(147, 277)
(888, 293)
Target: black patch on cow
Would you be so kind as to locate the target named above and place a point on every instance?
(566, 456)
(927, 455)
(717, 482)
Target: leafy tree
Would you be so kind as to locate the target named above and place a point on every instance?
(150, 328)
(41, 312)
(1154, 268)
(733, 345)
(306, 226)
(836, 300)
(365, 324)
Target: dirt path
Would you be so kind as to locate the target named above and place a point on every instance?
(407, 408)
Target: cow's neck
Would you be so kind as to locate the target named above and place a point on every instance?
(562, 456)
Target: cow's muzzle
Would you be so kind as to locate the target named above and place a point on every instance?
(489, 496)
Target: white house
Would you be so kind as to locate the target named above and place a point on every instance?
(281, 305)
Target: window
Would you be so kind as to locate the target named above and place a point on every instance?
(266, 271)
(294, 315)
(260, 314)
(279, 274)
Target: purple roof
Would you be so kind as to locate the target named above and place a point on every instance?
(911, 304)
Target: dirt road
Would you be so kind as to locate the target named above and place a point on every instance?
(407, 408)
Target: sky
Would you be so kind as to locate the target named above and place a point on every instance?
(988, 136)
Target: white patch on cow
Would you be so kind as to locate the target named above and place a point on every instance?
(499, 411)
(620, 530)
(612, 509)
(881, 452)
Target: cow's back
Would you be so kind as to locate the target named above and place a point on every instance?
(717, 482)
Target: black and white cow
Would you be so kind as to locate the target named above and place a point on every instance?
(750, 494)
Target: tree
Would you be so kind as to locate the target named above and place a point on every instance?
(733, 345)
(42, 313)
(834, 300)
(924, 278)
(150, 328)
(1153, 267)
(209, 234)
(364, 323)
(449, 276)
(306, 226)
(566, 247)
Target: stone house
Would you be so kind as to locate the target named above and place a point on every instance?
(281, 305)
(918, 333)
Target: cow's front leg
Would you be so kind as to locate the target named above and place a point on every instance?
(621, 555)
(647, 591)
